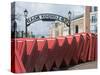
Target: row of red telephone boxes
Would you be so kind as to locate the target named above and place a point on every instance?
(33, 54)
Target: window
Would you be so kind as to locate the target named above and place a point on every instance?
(94, 9)
(93, 28)
(94, 19)
(76, 29)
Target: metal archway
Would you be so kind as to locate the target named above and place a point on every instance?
(47, 17)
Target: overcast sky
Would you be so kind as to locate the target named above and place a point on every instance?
(41, 27)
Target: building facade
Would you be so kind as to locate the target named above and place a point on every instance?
(61, 29)
(93, 20)
(86, 22)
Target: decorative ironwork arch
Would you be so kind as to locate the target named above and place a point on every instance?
(47, 17)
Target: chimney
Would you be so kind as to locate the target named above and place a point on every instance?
(87, 18)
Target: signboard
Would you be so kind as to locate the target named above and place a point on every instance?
(47, 17)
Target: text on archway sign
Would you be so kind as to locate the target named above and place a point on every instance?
(47, 17)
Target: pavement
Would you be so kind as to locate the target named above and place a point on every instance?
(87, 65)
(81, 66)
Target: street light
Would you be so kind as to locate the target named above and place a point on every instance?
(25, 14)
(69, 15)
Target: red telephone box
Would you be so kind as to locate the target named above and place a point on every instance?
(62, 51)
(42, 54)
(79, 47)
(52, 53)
(71, 43)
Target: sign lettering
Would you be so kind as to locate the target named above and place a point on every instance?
(46, 17)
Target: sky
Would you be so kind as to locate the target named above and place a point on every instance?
(41, 27)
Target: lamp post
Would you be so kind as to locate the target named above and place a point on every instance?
(14, 30)
(69, 15)
(25, 14)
